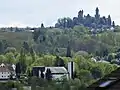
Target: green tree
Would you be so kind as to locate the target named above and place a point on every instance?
(59, 62)
(18, 69)
(3, 59)
(68, 54)
(48, 74)
(1, 47)
(85, 76)
(108, 69)
(22, 60)
(32, 52)
(10, 58)
(10, 49)
(36, 34)
(111, 57)
(26, 46)
(97, 72)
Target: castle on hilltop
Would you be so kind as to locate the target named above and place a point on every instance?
(96, 22)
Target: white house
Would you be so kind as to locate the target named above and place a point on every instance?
(6, 71)
(57, 72)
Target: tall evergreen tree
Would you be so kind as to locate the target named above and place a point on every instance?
(68, 54)
(32, 54)
(36, 34)
(48, 75)
(26, 46)
(1, 47)
(105, 52)
(59, 62)
(22, 60)
(5, 44)
(11, 29)
(18, 69)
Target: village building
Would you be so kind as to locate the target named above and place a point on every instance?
(56, 72)
(7, 71)
(109, 82)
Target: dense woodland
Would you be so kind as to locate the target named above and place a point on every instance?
(95, 54)
(50, 46)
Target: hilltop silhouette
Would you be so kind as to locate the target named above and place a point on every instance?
(96, 22)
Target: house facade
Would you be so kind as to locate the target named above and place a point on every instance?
(7, 71)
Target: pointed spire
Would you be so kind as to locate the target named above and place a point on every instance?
(80, 14)
(97, 11)
(97, 15)
(113, 24)
(109, 20)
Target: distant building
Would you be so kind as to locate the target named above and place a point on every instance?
(109, 82)
(93, 59)
(103, 61)
(57, 72)
(29, 30)
(7, 71)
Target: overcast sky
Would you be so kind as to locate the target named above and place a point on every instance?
(34, 12)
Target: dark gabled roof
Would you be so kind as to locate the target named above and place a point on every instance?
(109, 82)
(6, 68)
(57, 70)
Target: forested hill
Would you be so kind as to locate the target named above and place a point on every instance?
(92, 42)
(90, 51)
(96, 22)
(55, 40)
(94, 35)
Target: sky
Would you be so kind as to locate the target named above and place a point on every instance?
(32, 13)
